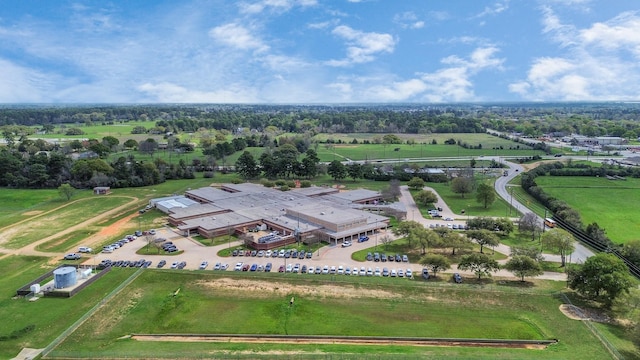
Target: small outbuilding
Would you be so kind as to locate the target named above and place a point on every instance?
(101, 190)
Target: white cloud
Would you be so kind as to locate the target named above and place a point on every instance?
(20, 84)
(497, 8)
(275, 5)
(600, 62)
(452, 83)
(408, 20)
(237, 36)
(172, 93)
(362, 46)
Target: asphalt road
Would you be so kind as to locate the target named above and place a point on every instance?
(580, 254)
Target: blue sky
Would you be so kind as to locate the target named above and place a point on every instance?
(315, 51)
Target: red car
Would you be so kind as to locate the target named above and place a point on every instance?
(246, 267)
(281, 269)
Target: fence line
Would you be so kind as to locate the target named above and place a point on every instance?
(609, 346)
(91, 311)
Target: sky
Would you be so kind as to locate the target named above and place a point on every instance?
(317, 51)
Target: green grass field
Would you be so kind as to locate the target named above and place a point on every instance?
(234, 303)
(610, 203)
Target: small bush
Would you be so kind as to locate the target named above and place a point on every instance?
(305, 183)
(267, 183)
(284, 188)
(280, 182)
(208, 174)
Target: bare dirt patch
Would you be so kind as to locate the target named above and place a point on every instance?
(576, 313)
(344, 340)
(252, 288)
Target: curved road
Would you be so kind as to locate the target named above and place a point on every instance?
(579, 255)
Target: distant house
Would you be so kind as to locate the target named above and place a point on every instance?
(101, 190)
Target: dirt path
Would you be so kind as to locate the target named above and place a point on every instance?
(95, 239)
(356, 340)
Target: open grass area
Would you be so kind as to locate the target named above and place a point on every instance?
(610, 203)
(235, 303)
(401, 246)
(469, 203)
(56, 221)
(50, 317)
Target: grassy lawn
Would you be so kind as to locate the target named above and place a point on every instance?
(50, 317)
(612, 204)
(401, 246)
(469, 204)
(260, 306)
(61, 219)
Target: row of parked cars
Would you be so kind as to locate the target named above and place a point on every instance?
(384, 257)
(142, 263)
(450, 226)
(282, 253)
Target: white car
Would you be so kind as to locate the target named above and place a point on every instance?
(340, 269)
(325, 269)
(346, 244)
(238, 267)
(377, 272)
(85, 249)
(400, 273)
(363, 271)
(203, 265)
(311, 270)
(267, 253)
(409, 273)
(448, 219)
(347, 271)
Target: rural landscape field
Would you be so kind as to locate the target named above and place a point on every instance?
(168, 313)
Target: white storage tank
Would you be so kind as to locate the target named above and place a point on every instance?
(86, 273)
(64, 277)
(35, 288)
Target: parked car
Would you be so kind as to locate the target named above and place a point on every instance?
(303, 269)
(311, 270)
(346, 244)
(383, 257)
(400, 273)
(363, 238)
(267, 253)
(457, 278)
(325, 269)
(301, 255)
(369, 256)
(281, 268)
(347, 271)
(203, 265)
(385, 272)
(405, 258)
(162, 263)
(340, 270)
(398, 258)
(376, 257)
(246, 267)
(85, 249)
(377, 272)
(234, 253)
(267, 268)
(174, 265)
(393, 273)
(253, 267)
(309, 255)
(363, 271)
(425, 273)
(409, 273)
(238, 267)
(224, 266)
(72, 256)
(289, 268)
(261, 253)
(217, 266)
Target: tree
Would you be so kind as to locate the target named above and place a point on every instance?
(148, 146)
(66, 191)
(354, 170)
(483, 238)
(453, 240)
(130, 144)
(462, 185)
(415, 183)
(522, 266)
(407, 229)
(392, 193)
(561, 241)
(337, 170)
(435, 262)
(602, 277)
(529, 251)
(386, 239)
(247, 166)
(425, 197)
(480, 264)
(485, 195)
(528, 223)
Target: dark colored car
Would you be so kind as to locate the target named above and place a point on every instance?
(398, 258)
(162, 263)
(369, 257)
(254, 267)
(391, 258)
(301, 255)
(383, 257)
(268, 267)
(457, 278)
(281, 268)
(246, 267)
(234, 253)
(309, 255)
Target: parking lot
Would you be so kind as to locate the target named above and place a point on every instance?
(330, 260)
